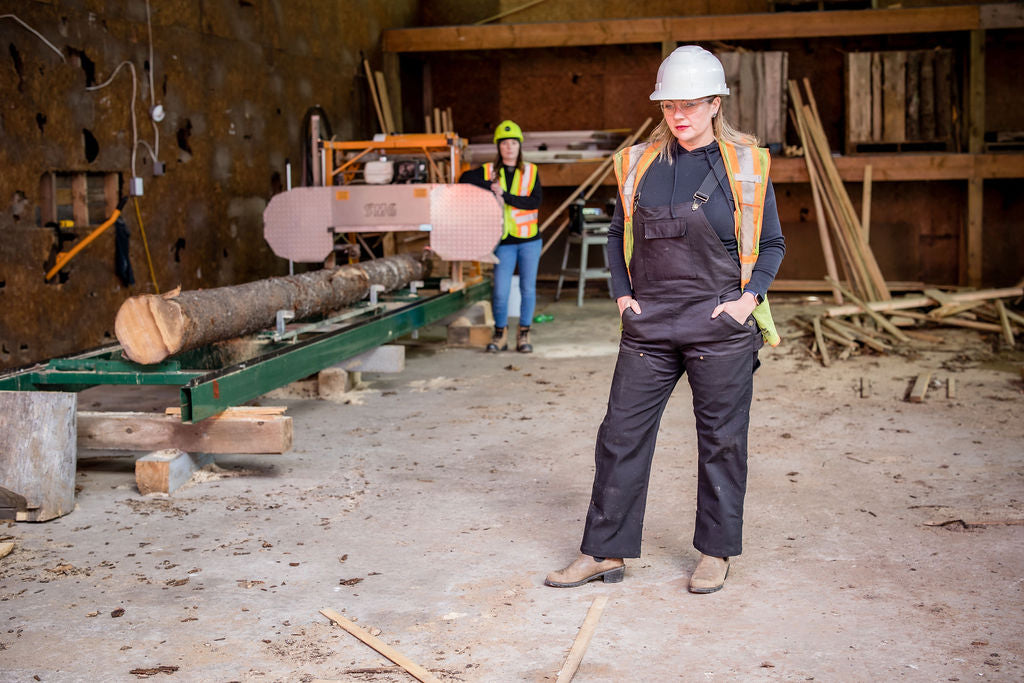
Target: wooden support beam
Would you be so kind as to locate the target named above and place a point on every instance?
(971, 266)
(236, 430)
(884, 168)
(693, 29)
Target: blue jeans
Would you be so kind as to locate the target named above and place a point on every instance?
(527, 255)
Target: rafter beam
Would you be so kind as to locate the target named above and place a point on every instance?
(705, 28)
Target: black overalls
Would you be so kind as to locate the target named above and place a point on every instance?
(680, 271)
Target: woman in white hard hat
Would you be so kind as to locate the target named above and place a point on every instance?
(695, 243)
(516, 185)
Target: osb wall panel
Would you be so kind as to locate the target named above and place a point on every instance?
(235, 78)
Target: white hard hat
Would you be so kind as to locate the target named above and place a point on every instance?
(690, 72)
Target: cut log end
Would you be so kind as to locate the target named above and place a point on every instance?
(149, 328)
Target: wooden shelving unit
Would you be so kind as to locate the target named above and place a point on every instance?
(974, 167)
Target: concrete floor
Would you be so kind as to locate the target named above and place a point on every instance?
(432, 504)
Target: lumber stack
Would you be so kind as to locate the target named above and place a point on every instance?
(833, 206)
(587, 188)
(553, 146)
(757, 98)
(900, 99)
(892, 325)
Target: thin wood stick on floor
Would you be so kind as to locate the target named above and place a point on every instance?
(579, 646)
(380, 646)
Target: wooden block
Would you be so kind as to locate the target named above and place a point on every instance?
(167, 470)
(774, 97)
(920, 387)
(470, 335)
(333, 383)
(913, 116)
(876, 97)
(747, 99)
(865, 387)
(858, 96)
(38, 454)
(951, 388)
(6, 548)
(926, 87)
(944, 95)
(894, 88)
(225, 433)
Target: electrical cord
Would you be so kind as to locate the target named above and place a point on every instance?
(135, 129)
(145, 245)
(37, 34)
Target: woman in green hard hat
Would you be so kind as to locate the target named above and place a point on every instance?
(516, 185)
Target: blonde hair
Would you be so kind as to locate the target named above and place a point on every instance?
(720, 127)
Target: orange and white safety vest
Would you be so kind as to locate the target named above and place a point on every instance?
(747, 169)
(518, 222)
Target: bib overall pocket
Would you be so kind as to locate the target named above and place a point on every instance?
(668, 253)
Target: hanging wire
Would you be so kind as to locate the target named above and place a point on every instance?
(37, 33)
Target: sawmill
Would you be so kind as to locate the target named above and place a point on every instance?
(353, 341)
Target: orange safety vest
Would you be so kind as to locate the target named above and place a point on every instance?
(518, 222)
(747, 169)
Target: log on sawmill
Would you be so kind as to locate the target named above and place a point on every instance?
(152, 327)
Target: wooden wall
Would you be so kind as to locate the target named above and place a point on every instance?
(918, 226)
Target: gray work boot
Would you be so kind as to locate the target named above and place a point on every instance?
(709, 576)
(586, 568)
(499, 342)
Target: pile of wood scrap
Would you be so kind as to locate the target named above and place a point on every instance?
(554, 146)
(833, 207)
(895, 324)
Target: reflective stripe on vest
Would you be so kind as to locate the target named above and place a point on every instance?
(518, 222)
(747, 168)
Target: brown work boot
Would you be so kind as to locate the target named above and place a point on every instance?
(523, 344)
(709, 576)
(499, 341)
(586, 568)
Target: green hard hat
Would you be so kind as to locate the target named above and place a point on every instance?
(508, 130)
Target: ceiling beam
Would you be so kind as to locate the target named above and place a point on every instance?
(705, 28)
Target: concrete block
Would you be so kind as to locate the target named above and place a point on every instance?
(167, 470)
(387, 358)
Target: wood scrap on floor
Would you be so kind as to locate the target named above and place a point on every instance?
(579, 646)
(380, 646)
(902, 324)
(6, 548)
(920, 388)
